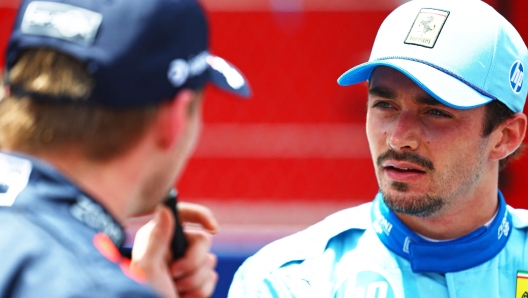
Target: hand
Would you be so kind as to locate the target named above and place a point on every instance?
(194, 274)
(191, 276)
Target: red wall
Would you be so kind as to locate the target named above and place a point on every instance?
(303, 134)
(292, 61)
(6, 23)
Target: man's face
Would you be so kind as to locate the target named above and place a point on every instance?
(427, 156)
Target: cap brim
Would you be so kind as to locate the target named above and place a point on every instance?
(442, 86)
(227, 77)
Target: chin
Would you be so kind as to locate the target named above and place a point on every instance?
(422, 205)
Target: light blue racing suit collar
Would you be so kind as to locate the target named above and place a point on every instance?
(459, 254)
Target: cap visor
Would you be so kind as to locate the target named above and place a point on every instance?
(442, 86)
(227, 77)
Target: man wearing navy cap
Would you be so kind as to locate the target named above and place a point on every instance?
(444, 112)
(102, 108)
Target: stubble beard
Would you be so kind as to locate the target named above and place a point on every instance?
(427, 205)
(421, 206)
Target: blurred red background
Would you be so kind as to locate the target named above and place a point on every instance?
(300, 139)
(299, 144)
(296, 151)
(292, 59)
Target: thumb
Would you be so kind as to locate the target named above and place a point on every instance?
(150, 253)
(151, 243)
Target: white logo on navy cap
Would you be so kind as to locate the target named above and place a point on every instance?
(516, 76)
(61, 21)
(180, 70)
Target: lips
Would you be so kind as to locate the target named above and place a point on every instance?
(403, 171)
(406, 170)
(402, 166)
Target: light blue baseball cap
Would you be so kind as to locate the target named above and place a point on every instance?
(462, 52)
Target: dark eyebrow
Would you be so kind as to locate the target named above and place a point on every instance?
(381, 91)
(385, 92)
(427, 100)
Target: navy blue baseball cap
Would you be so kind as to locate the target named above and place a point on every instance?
(139, 52)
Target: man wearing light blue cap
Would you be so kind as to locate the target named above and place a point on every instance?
(445, 111)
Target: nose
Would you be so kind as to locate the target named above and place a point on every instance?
(404, 134)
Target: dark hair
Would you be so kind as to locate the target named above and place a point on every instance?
(496, 114)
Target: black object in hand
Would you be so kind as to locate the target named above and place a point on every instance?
(179, 242)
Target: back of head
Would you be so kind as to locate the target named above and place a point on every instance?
(84, 72)
(48, 112)
(126, 46)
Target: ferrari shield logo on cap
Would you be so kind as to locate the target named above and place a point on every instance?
(427, 27)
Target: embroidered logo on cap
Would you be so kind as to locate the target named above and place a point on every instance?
(516, 76)
(426, 27)
(61, 21)
(180, 70)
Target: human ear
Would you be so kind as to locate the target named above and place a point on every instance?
(509, 136)
(173, 118)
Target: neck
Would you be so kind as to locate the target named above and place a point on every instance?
(113, 183)
(464, 214)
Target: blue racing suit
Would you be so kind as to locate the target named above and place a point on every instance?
(56, 240)
(367, 252)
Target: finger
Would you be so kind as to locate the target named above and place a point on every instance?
(199, 277)
(199, 246)
(206, 290)
(195, 213)
(152, 240)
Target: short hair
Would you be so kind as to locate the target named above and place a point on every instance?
(497, 113)
(31, 125)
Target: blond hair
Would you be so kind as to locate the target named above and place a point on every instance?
(30, 125)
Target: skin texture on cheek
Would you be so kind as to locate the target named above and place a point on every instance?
(173, 164)
(455, 171)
